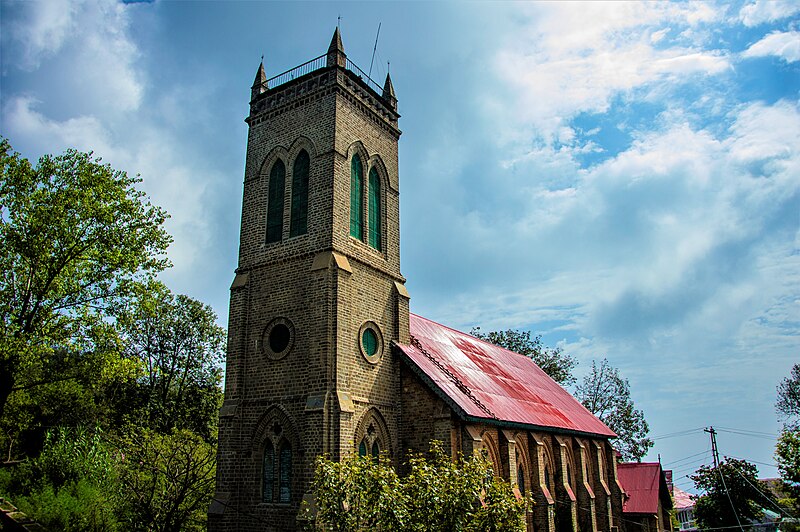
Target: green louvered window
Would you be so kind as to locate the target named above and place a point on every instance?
(356, 193)
(374, 209)
(375, 449)
(285, 478)
(268, 473)
(299, 223)
(277, 183)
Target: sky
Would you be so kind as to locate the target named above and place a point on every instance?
(622, 178)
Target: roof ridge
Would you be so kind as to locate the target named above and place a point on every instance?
(481, 340)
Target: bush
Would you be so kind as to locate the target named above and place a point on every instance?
(439, 494)
(71, 485)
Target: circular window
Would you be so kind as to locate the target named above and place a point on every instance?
(371, 342)
(278, 338)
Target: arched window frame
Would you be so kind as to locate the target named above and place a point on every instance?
(372, 434)
(376, 203)
(276, 200)
(301, 171)
(276, 446)
(375, 208)
(357, 196)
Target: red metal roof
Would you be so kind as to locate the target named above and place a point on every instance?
(643, 483)
(485, 381)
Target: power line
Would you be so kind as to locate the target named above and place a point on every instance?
(676, 434)
(761, 492)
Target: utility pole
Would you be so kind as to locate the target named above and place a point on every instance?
(714, 451)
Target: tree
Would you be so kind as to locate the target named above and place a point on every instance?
(734, 484)
(73, 234)
(787, 456)
(179, 349)
(438, 495)
(553, 361)
(788, 404)
(787, 450)
(608, 396)
(168, 480)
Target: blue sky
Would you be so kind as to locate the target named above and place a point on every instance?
(622, 178)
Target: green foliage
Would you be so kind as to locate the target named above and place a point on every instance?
(734, 484)
(360, 493)
(73, 234)
(439, 494)
(788, 403)
(71, 485)
(76, 506)
(607, 395)
(179, 348)
(89, 338)
(167, 479)
(553, 361)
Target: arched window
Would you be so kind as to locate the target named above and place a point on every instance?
(285, 477)
(375, 448)
(277, 474)
(356, 195)
(521, 479)
(299, 222)
(374, 209)
(277, 183)
(268, 492)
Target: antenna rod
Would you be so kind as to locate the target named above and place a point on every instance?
(374, 48)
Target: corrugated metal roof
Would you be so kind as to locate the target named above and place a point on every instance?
(683, 499)
(485, 381)
(643, 483)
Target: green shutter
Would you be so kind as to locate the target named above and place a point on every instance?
(277, 182)
(268, 476)
(356, 208)
(285, 491)
(299, 222)
(374, 209)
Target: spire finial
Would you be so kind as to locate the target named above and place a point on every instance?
(388, 92)
(336, 55)
(260, 83)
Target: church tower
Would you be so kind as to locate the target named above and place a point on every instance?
(318, 297)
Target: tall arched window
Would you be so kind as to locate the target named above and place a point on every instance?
(277, 183)
(268, 491)
(299, 222)
(374, 209)
(285, 477)
(356, 195)
(277, 473)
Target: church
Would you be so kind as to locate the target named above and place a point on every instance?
(324, 356)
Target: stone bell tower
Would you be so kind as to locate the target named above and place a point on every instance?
(318, 297)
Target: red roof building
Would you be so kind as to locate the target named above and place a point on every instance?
(647, 497)
(476, 396)
(485, 382)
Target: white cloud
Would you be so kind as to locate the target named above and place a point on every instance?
(42, 29)
(762, 11)
(785, 45)
(96, 54)
(568, 58)
(31, 127)
(168, 178)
